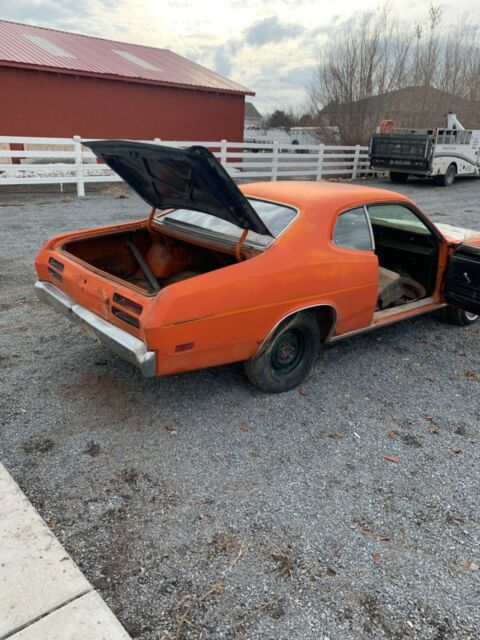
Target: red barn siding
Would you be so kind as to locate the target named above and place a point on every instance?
(37, 103)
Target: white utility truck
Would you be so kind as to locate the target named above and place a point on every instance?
(441, 154)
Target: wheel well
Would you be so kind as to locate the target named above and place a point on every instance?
(325, 315)
(455, 165)
(326, 318)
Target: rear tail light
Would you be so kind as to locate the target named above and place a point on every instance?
(55, 264)
(55, 275)
(55, 269)
(132, 306)
(126, 317)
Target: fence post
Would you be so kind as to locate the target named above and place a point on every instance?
(77, 148)
(321, 149)
(355, 162)
(275, 161)
(223, 153)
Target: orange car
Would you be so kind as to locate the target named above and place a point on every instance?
(266, 273)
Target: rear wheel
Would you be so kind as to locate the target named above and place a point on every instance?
(460, 317)
(288, 357)
(448, 179)
(398, 177)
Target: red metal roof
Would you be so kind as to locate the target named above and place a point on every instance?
(29, 46)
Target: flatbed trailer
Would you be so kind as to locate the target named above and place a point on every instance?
(441, 154)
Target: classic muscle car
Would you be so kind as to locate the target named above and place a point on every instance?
(265, 273)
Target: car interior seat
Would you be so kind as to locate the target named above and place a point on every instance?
(395, 289)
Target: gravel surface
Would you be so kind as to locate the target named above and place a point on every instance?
(200, 507)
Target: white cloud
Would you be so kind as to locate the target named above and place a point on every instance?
(268, 45)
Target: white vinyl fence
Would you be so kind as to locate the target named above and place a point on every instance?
(66, 161)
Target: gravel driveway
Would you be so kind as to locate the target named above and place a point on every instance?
(201, 508)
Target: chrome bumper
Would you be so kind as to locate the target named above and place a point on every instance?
(119, 341)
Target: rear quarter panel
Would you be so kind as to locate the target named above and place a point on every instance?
(228, 313)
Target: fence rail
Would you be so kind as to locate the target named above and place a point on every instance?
(27, 160)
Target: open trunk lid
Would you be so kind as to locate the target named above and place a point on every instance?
(171, 178)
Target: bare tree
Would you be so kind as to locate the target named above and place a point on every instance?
(459, 64)
(368, 60)
(473, 71)
(428, 53)
(359, 70)
(426, 58)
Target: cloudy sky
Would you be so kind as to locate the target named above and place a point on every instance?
(267, 45)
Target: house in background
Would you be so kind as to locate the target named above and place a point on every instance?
(58, 84)
(253, 119)
(411, 107)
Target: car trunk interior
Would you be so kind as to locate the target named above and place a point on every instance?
(137, 257)
(408, 265)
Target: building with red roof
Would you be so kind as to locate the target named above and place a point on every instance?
(59, 84)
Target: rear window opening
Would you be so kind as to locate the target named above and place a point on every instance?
(276, 217)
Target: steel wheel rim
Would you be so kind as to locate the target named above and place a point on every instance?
(287, 352)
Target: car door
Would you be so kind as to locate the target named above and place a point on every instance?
(462, 278)
(355, 271)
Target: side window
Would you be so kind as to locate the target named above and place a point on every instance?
(398, 217)
(352, 230)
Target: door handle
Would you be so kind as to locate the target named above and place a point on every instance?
(467, 279)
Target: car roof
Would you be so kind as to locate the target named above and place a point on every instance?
(307, 196)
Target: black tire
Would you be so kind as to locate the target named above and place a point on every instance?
(288, 357)
(460, 317)
(398, 177)
(448, 179)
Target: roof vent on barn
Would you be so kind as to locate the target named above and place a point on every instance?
(136, 60)
(48, 46)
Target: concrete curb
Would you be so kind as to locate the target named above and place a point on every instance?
(43, 594)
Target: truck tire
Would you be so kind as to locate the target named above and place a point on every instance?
(398, 177)
(448, 179)
(288, 357)
(460, 317)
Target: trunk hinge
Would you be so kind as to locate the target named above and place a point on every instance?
(150, 218)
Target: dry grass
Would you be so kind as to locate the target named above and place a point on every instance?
(222, 544)
(284, 560)
(188, 605)
(117, 191)
(184, 612)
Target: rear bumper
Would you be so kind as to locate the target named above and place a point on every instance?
(117, 340)
(410, 169)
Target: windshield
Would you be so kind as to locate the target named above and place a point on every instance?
(276, 218)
